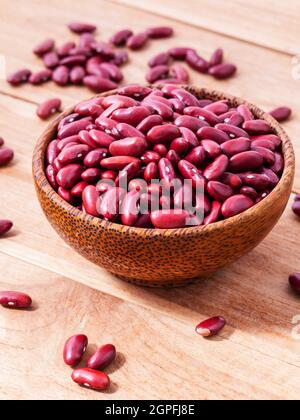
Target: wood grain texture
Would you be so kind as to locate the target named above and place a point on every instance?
(255, 357)
(269, 23)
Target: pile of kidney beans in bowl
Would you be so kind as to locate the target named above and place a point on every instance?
(159, 157)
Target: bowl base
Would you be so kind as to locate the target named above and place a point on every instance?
(158, 285)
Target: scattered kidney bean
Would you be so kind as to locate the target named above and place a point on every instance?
(137, 41)
(157, 73)
(161, 59)
(5, 226)
(51, 60)
(40, 77)
(81, 27)
(98, 84)
(44, 47)
(92, 379)
(296, 208)
(160, 32)
(180, 73)
(61, 75)
(294, 280)
(74, 349)
(102, 358)
(179, 53)
(196, 62)
(6, 156)
(15, 300)
(217, 58)
(281, 114)
(120, 38)
(48, 108)
(211, 327)
(223, 71)
(19, 77)
(77, 74)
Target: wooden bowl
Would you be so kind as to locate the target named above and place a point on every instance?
(159, 258)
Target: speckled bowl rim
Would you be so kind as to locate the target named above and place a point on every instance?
(202, 93)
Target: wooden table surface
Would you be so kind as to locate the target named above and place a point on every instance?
(258, 355)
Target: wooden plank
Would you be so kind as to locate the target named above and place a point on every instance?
(270, 23)
(264, 76)
(259, 307)
(159, 357)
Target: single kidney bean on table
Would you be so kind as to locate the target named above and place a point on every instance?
(159, 140)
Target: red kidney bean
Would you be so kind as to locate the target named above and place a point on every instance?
(173, 157)
(135, 91)
(150, 156)
(137, 41)
(149, 122)
(111, 202)
(192, 123)
(189, 136)
(177, 105)
(257, 181)
(257, 127)
(57, 165)
(86, 138)
(40, 77)
(233, 180)
(99, 84)
(92, 379)
(117, 163)
(101, 138)
(113, 71)
(6, 156)
(196, 62)
(122, 101)
(138, 185)
(267, 144)
(245, 112)
(202, 114)
(51, 60)
(130, 208)
(211, 148)
(131, 146)
(51, 176)
(95, 70)
(159, 60)
(86, 40)
(94, 157)
(73, 128)
(236, 205)
(272, 137)
(74, 154)
(249, 192)
(189, 171)
(180, 145)
(157, 73)
(69, 175)
(166, 112)
(281, 114)
(5, 226)
(211, 327)
(214, 134)
(120, 58)
(294, 281)
(223, 71)
(166, 172)
(163, 134)
(74, 349)
(218, 108)
(144, 222)
(297, 197)
(296, 208)
(48, 108)
(77, 74)
(65, 195)
(184, 96)
(1, 141)
(160, 32)
(268, 155)
(81, 27)
(78, 189)
(233, 147)
(235, 119)
(217, 58)
(232, 131)
(132, 116)
(179, 53)
(214, 215)
(120, 38)
(104, 185)
(174, 219)
(61, 76)
(151, 172)
(108, 126)
(19, 77)
(90, 200)
(278, 165)
(128, 173)
(65, 49)
(15, 300)
(109, 175)
(273, 178)
(217, 168)
(179, 72)
(44, 47)
(102, 358)
(220, 192)
(246, 161)
(196, 156)
(183, 198)
(91, 175)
